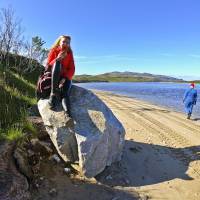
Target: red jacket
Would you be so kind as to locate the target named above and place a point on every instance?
(68, 67)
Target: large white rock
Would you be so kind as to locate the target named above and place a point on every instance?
(99, 134)
(62, 137)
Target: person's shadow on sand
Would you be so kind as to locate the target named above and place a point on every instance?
(196, 119)
(145, 164)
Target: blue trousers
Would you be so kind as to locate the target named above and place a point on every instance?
(65, 93)
(64, 90)
(189, 107)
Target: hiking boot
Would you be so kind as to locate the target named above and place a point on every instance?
(53, 101)
(69, 120)
(189, 115)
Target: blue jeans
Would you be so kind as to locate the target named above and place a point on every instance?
(65, 89)
(65, 93)
(189, 107)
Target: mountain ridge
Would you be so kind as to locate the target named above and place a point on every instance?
(126, 76)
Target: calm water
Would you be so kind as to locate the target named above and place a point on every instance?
(164, 94)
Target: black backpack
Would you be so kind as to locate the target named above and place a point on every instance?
(43, 88)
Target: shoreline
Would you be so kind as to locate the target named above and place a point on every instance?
(143, 101)
(161, 154)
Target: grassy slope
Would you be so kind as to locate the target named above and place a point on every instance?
(17, 94)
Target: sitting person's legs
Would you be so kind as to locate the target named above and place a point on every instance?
(65, 96)
(55, 84)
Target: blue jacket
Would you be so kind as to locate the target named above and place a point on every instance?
(190, 96)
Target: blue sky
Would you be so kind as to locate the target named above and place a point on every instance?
(154, 36)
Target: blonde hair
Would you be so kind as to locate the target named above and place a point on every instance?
(57, 42)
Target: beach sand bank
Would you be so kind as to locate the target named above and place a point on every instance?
(161, 158)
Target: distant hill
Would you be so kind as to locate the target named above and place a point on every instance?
(125, 77)
(195, 81)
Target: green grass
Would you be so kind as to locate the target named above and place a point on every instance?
(28, 127)
(17, 131)
(14, 134)
(17, 94)
(102, 78)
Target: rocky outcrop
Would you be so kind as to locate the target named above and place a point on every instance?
(63, 137)
(13, 185)
(97, 135)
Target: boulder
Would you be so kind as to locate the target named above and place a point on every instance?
(99, 134)
(62, 136)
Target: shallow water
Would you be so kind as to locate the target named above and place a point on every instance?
(164, 94)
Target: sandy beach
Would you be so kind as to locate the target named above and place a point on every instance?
(161, 158)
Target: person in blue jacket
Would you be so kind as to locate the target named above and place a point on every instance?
(190, 99)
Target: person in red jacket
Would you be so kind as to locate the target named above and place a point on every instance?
(61, 62)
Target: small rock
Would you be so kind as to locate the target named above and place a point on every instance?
(34, 141)
(53, 191)
(56, 158)
(127, 181)
(144, 197)
(91, 180)
(30, 153)
(108, 177)
(76, 166)
(67, 170)
(41, 178)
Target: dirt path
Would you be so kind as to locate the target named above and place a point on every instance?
(162, 152)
